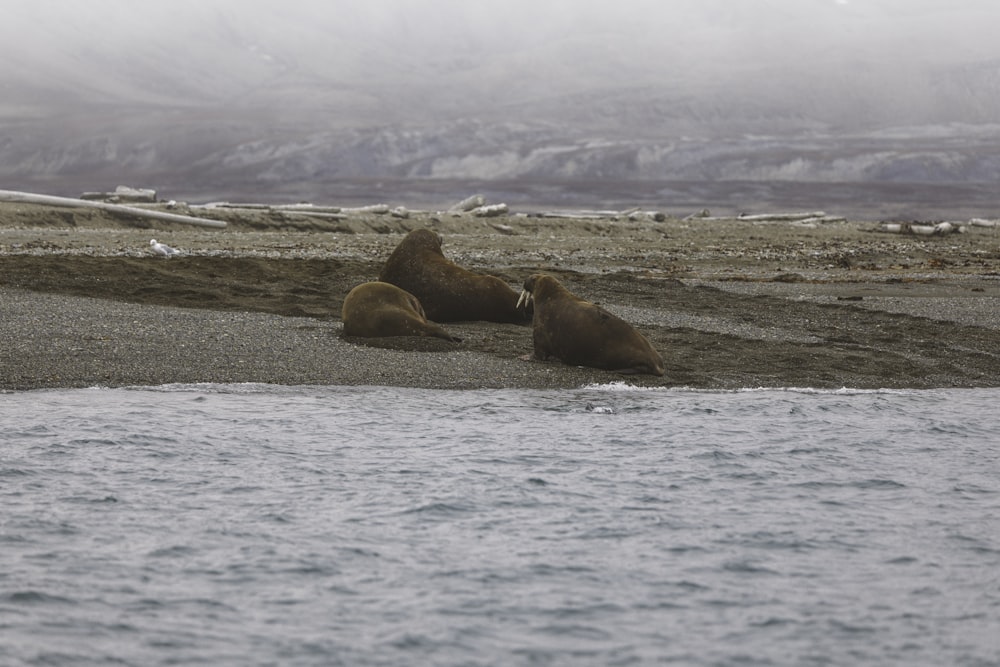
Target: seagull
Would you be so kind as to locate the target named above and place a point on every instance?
(162, 248)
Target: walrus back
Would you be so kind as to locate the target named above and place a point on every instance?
(580, 333)
(380, 310)
(447, 291)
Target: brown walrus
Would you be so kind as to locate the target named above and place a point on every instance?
(580, 333)
(381, 310)
(448, 292)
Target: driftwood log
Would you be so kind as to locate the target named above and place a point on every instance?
(807, 218)
(635, 213)
(490, 210)
(467, 204)
(377, 209)
(302, 210)
(68, 202)
(782, 217)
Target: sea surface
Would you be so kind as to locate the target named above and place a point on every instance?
(262, 525)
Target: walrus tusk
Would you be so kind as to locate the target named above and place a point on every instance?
(523, 300)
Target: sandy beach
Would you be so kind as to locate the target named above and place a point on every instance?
(729, 303)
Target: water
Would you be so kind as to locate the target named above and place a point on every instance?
(257, 525)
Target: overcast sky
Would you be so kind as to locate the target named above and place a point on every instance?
(370, 37)
(369, 86)
(320, 63)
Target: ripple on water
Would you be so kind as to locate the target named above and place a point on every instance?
(609, 524)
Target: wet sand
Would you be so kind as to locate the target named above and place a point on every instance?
(729, 303)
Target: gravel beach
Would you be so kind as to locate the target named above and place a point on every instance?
(729, 303)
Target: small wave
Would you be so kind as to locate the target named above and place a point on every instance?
(439, 508)
(843, 391)
(853, 484)
(214, 388)
(773, 622)
(852, 629)
(902, 560)
(621, 386)
(576, 631)
(819, 391)
(36, 597)
(747, 567)
(172, 552)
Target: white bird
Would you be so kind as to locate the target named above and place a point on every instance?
(162, 248)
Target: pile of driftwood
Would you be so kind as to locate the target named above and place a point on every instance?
(922, 228)
(935, 228)
(123, 194)
(475, 205)
(114, 202)
(803, 219)
(633, 214)
(69, 202)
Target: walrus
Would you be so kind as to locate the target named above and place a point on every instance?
(448, 292)
(381, 310)
(580, 333)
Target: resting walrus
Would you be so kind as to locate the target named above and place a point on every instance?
(448, 292)
(580, 333)
(381, 310)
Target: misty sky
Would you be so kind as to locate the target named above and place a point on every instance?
(298, 91)
(57, 42)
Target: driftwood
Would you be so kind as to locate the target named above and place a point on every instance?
(303, 210)
(823, 219)
(633, 214)
(581, 215)
(377, 209)
(490, 211)
(225, 204)
(468, 204)
(782, 217)
(922, 229)
(312, 214)
(503, 229)
(123, 194)
(804, 219)
(702, 214)
(68, 202)
(284, 208)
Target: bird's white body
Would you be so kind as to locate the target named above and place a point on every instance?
(162, 248)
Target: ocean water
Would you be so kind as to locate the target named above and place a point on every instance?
(261, 525)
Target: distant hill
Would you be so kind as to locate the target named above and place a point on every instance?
(209, 98)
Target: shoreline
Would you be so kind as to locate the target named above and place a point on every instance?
(729, 305)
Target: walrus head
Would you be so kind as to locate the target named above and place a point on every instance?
(424, 238)
(524, 300)
(537, 285)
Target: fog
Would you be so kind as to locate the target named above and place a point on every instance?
(298, 98)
